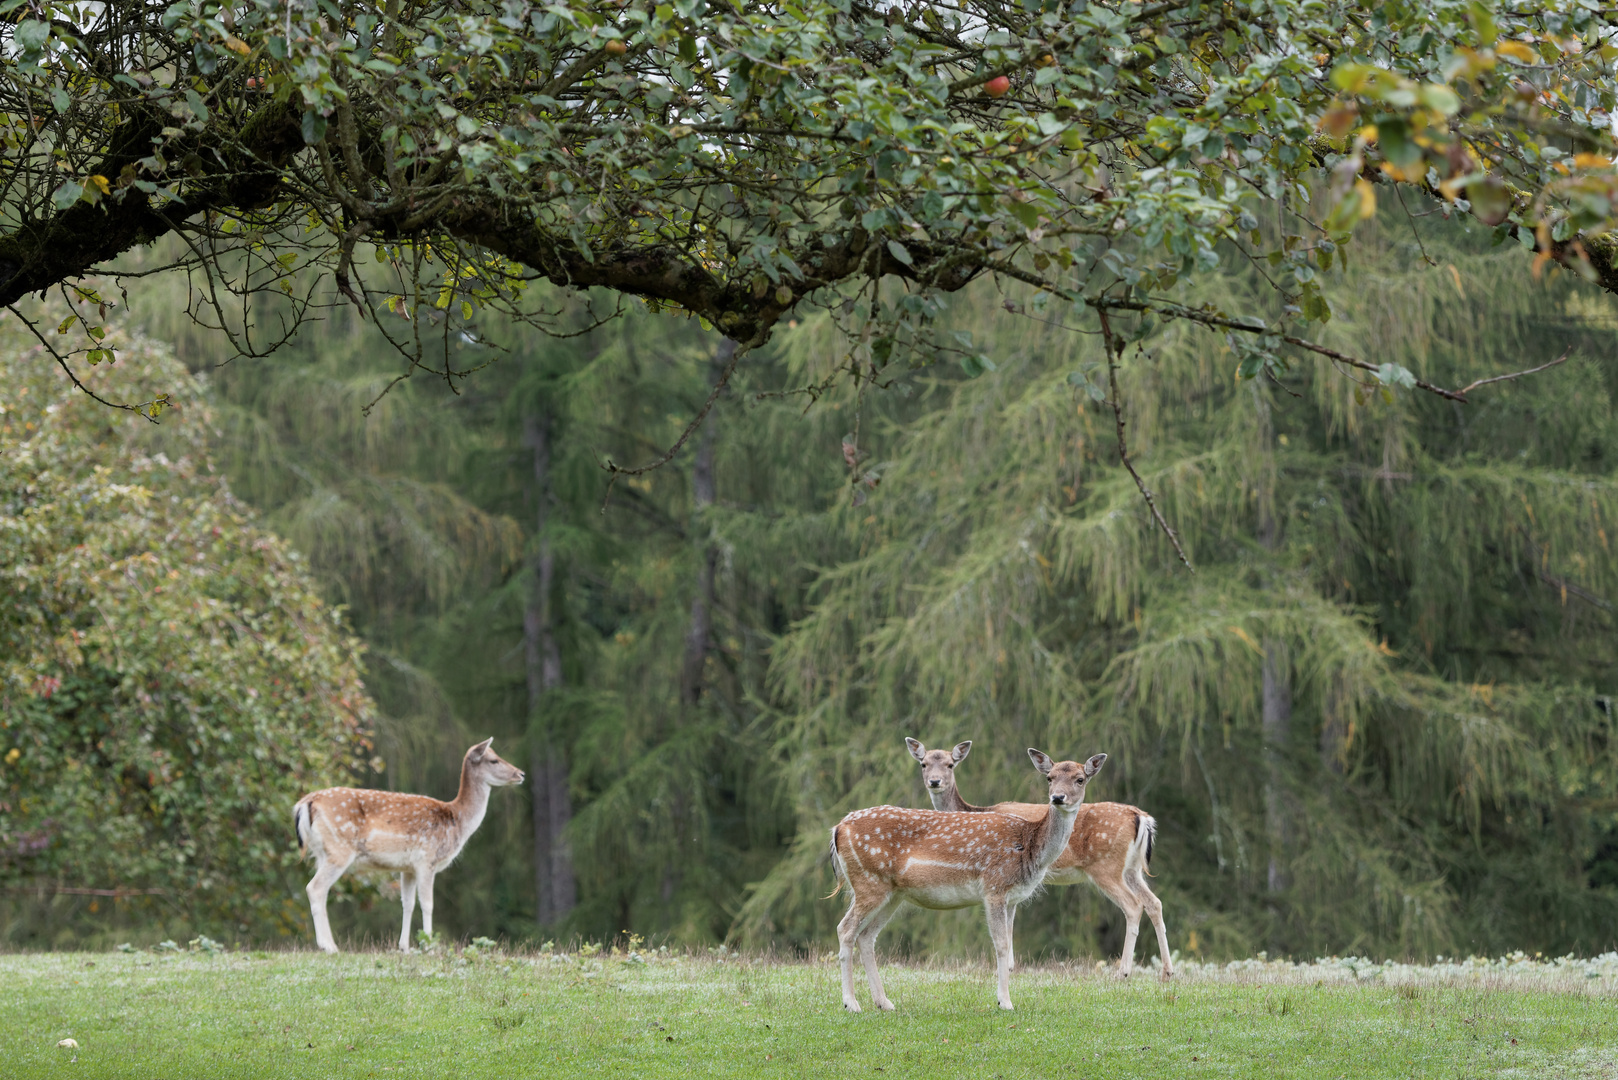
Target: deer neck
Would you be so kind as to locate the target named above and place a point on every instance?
(1051, 835)
(949, 799)
(471, 802)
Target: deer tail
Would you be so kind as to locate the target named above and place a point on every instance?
(836, 866)
(302, 815)
(1138, 859)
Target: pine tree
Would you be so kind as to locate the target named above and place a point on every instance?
(1360, 721)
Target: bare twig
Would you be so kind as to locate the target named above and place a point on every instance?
(1115, 349)
(617, 470)
(1514, 375)
(1207, 318)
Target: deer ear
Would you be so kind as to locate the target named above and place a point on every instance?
(480, 749)
(1093, 766)
(1041, 762)
(917, 751)
(961, 750)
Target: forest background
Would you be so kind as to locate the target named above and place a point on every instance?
(1376, 719)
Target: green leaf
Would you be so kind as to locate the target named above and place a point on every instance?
(1396, 375)
(897, 250)
(1490, 200)
(1027, 213)
(67, 194)
(31, 35)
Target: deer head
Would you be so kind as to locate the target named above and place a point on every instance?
(1066, 779)
(482, 763)
(937, 766)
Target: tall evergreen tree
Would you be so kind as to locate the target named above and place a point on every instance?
(1360, 721)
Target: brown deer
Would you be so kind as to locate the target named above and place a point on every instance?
(1111, 844)
(418, 836)
(888, 855)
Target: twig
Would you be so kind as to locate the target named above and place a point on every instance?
(139, 410)
(1516, 374)
(1208, 318)
(1114, 350)
(617, 470)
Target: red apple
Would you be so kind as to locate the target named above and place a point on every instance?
(997, 86)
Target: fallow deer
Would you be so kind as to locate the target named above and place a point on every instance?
(889, 855)
(418, 836)
(1111, 844)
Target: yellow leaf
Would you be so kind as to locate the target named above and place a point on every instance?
(1247, 639)
(1367, 198)
(105, 186)
(237, 45)
(1591, 161)
(1518, 51)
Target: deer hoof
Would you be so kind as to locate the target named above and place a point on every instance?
(1008, 1006)
(852, 1006)
(885, 1005)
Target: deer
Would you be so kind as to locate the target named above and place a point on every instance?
(888, 856)
(1111, 845)
(361, 829)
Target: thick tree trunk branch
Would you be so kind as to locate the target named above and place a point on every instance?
(74, 242)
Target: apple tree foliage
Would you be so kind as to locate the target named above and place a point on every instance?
(737, 160)
(170, 681)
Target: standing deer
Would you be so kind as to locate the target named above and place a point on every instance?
(1111, 844)
(382, 830)
(888, 855)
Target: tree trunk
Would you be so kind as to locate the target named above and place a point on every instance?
(553, 864)
(703, 494)
(1335, 734)
(1277, 729)
(1276, 692)
(699, 631)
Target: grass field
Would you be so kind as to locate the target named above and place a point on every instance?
(486, 1013)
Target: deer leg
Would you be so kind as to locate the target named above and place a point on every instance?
(860, 909)
(326, 875)
(407, 893)
(1000, 936)
(424, 886)
(1154, 911)
(867, 938)
(1119, 892)
(1132, 917)
(1011, 948)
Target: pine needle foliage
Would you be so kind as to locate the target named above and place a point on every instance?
(1437, 580)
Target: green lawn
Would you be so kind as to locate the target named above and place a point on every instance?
(373, 1014)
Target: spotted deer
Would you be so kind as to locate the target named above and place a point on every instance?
(360, 829)
(1111, 844)
(888, 855)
